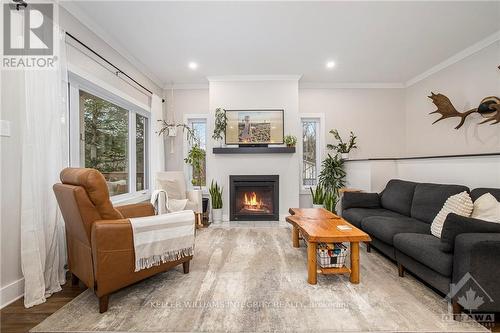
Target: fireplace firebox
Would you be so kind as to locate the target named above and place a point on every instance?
(254, 198)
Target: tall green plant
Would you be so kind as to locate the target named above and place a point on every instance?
(216, 195)
(220, 124)
(330, 201)
(195, 158)
(341, 146)
(332, 175)
(317, 195)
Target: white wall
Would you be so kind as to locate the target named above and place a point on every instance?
(465, 83)
(12, 103)
(255, 94)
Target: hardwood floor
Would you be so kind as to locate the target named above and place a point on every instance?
(15, 318)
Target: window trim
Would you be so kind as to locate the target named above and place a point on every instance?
(320, 149)
(188, 117)
(103, 90)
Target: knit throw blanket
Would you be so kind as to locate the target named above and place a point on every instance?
(162, 238)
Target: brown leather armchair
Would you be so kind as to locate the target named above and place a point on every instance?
(99, 236)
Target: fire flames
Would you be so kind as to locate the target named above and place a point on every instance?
(251, 202)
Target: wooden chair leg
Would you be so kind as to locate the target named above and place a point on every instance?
(401, 270)
(103, 303)
(185, 266)
(457, 310)
(368, 247)
(74, 280)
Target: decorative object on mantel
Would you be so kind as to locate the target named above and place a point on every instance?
(216, 195)
(290, 140)
(343, 148)
(253, 150)
(220, 125)
(318, 196)
(488, 108)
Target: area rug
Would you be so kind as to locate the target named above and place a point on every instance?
(251, 279)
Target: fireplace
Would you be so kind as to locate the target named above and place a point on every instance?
(254, 198)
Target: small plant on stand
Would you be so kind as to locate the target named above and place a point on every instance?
(220, 125)
(318, 196)
(341, 147)
(216, 196)
(290, 140)
(195, 158)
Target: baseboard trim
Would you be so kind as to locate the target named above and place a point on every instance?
(11, 292)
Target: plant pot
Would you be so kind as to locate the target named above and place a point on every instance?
(216, 215)
(318, 206)
(290, 146)
(344, 156)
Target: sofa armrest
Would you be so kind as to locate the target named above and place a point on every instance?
(111, 235)
(478, 254)
(455, 225)
(136, 210)
(360, 200)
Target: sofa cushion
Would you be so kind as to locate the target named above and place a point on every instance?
(397, 196)
(477, 192)
(355, 215)
(360, 200)
(385, 227)
(430, 198)
(426, 250)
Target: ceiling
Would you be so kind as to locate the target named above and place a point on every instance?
(370, 42)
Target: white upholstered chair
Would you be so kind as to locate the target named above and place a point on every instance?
(174, 183)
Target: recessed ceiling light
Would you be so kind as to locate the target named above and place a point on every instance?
(193, 65)
(330, 64)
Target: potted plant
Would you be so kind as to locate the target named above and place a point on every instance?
(220, 125)
(342, 147)
(216, 195)
(195, 158)
(330, 201)
(317, 196)
(332, 174)
(290, 140)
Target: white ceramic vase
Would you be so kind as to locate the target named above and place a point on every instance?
(216, 215)
(318, 206)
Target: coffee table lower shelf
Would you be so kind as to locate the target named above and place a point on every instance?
(333, 270)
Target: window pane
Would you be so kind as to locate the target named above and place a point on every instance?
(200, 129)
(105, 140)
(309, 167)
(140, 151)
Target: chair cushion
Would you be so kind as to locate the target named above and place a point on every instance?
(356, 215)
(173, 187)
(477, 192)
(430, 198)
(397, 196)
(426, 250)
(385, 228)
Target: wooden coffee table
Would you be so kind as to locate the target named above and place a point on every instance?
(318, 225)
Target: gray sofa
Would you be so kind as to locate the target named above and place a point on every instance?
(399, 219)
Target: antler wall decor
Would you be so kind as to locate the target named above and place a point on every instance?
(488, 108)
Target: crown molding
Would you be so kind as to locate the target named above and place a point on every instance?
(186, 86)
(90, 24)
(228, 78)
(456, 58)
(340, 85)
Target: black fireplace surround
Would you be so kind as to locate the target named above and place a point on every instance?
(254, 197)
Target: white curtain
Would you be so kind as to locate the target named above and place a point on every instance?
(44, 135)
(157, 156)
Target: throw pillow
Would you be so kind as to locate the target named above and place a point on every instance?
(486, 208)
(172, 187)
(460, 204)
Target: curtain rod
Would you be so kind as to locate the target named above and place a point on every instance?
(119, 71)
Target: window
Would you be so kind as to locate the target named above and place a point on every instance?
(111, 136)
(311, 158)
(199, 125)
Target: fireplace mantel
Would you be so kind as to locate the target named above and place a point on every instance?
(254, 150)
